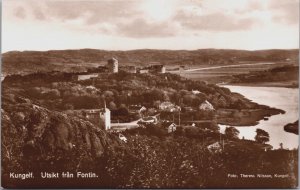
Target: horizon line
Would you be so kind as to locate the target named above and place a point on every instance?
(148, 49)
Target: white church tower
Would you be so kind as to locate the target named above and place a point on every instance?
(105, 117)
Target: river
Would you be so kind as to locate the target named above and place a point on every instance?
(278, 97)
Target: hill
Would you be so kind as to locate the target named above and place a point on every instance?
(39, 135)
(59, 91)
(79, 60)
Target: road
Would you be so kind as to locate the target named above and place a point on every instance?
(123, 126)
(129, 125)
(228, 66)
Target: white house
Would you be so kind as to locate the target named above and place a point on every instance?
(196, 92)
(168, 106)
(143, 71)
(171, 128)
(87, 76)
(137, 109)
(215, 147)
(206, 106)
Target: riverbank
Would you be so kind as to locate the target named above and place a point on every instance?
(281, 76)
(274, 74)
(287, 84)
(246, 117)
(276, 97)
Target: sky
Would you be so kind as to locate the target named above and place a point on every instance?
(149, 24)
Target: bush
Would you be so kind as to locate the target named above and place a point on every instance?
(52, 94)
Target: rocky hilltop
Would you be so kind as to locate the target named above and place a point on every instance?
(37, 139)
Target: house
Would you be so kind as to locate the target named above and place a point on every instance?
(169, 107)
(90, 87)
(86, 76)
(137, 109)
(169, 126)
(206, 106)
(195, 92)
(143, 71)
(166, 105)
(215, 147)
(157, 68)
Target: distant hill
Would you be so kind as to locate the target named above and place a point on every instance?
(78, 60)
(286, 76)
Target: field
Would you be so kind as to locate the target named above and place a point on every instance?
(224, 75)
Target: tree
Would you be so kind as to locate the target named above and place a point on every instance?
(281, 145)
(108, 93)
(178, 131)
(232, 133)
(52, 94)
(262, 136)
(112, 105)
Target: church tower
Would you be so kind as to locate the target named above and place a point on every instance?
(105, 118)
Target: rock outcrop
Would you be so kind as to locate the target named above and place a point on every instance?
(31, 132)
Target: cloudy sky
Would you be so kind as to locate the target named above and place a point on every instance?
(152, 24)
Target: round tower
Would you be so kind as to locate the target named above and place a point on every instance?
(113, 65)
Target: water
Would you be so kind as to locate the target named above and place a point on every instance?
(278, 97)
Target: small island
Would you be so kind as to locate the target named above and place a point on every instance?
(292, 127)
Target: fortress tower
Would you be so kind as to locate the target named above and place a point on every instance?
(113, 65)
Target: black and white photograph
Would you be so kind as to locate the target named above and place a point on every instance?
(139, 94)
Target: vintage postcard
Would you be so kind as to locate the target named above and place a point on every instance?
(149, 94)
